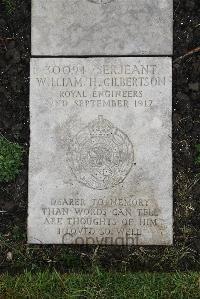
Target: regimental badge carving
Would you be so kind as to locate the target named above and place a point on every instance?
(101, 155)
(101, 1)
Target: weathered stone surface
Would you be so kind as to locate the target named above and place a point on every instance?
(100, 158)
(95, 27)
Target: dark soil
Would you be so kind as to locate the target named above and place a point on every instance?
(14, 125)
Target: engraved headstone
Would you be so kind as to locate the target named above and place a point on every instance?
(102, 27)
(100, 168)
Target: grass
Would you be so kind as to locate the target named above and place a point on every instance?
(198, 154)
(101, 285)
(10, 160)
(9, 6)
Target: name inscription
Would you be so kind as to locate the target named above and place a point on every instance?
(110, 85)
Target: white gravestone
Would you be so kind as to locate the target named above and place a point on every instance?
(102, 27)
(100, 169)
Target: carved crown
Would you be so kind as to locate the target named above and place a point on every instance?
(100, 127)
